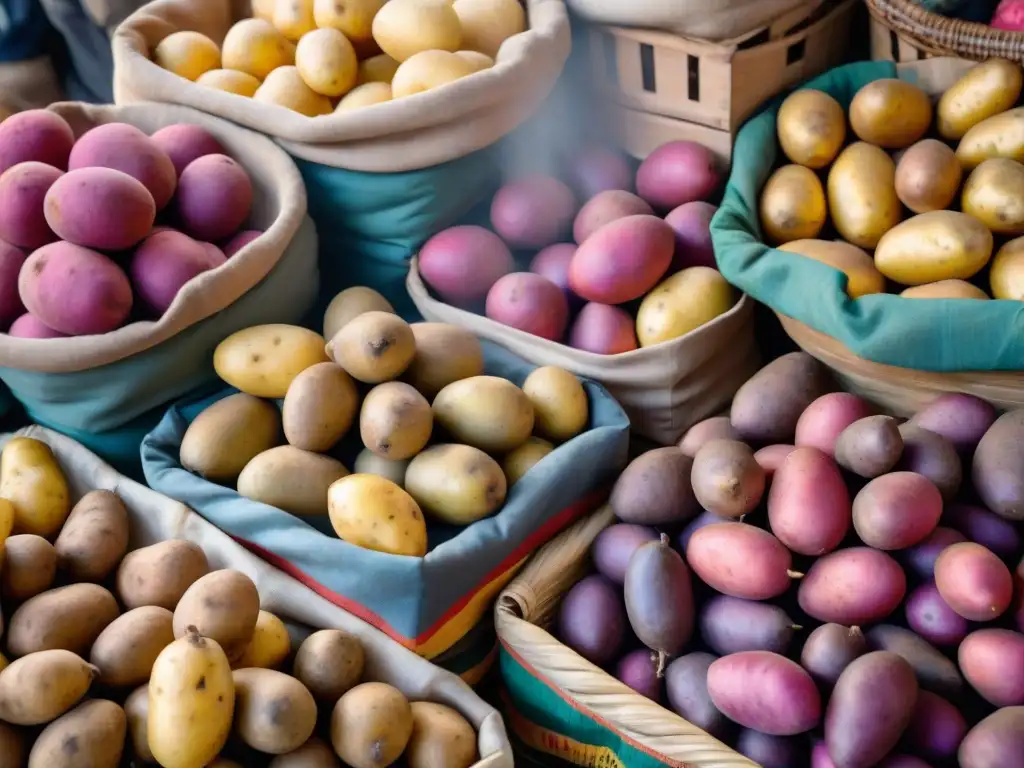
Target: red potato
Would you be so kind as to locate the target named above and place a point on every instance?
(896, 511)
(820, 425)
(678, 172)
(771, 457)
(29, 326)
(766, 692)
(461, 263)
(992, 660)
(639, 670)
(995, 742)
(985, 528)
(808, 504)
(162, 265)
(921, 557)
(214, 198)
(553, 263)
(692, 224)
(933, 456)
(936, 727)
(125, 148)
(23, 189)
(592, 619)
(606, 207)
(184, 142)
(603, 330)
(239, 241)
(595, 169)
(11, 261)
(35, 134)
(614, 546)
(829, 650)
(99, 208)
(740, 560)
(975, 583)
(853, 586)
(623, 260)
(213, 253)
(533, 211)
(530, 303)
(961, 419)
(715, 428)
(931, 617)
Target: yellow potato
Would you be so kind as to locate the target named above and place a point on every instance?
(792, 205)
(440, 737)
(223, 606)
(264, 360)
(521, 460)
(994, 194)
(559, 403)
(862, 194)
(226, 436)
(191, 702)
(294, 18)
(811, 127)
(945, 289)
(97, 728)
(286, 88)
(41, 687)
(319, 407)
(326, 62)
(486, 412)
(160, 573)
(313, 754)
(426, 70)
(986, 90)
(125, 651)
(187, 54)
(350, 303)
(263, 9)
(927, 176)
(374, 346)
(70, 617)
(256, 48)
(94, 538)
(934, 246)
(31, 479)
(999, 136)
(1006, 275)
(862, 278)
(403, 28)
(890, 113)
(13, 749)
(486, 24)
(270, 644)
(683, 303)
(444, 353)
(376, 69)
(29, 567)
(274, 712)
(479, 61)
(368, 462)
(230, 81)
(291, 479)
(353, 18)
(136, 708)
(373, 513)
(365, 95)
(6, 520)
(371, 725)
(395, 421)
(457, 484)
(329, 663)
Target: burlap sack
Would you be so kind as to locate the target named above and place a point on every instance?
(664, 389)
(156, 518)
(410, 133)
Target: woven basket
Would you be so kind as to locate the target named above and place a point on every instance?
(934, 35)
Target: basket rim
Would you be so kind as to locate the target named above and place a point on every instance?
(938, 35)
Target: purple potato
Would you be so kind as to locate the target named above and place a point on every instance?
(932, 456)
(921, 557)
(659, 599)
(770, 751)
(995, 742)
(932, 618)
(996, 468)
(614, 546)
(985, 528)
(961, 419)
(936, 729)
(829, 650)
(934, 671)
(655, 489)
(592, 620)
(639, 670)
(730, 625)
(686, 687)
(705, 518)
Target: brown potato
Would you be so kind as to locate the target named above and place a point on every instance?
(319, 407)
(329, 663)
(69, 617)
(29, 567)
(160, 573)
(43, 686)
(274, 712)
(655, 489)
(94, 537)
(890, 113)
(136, 708)
(313, 754)
(928, 176)
(13, 747)
(444, 353)
(125, 651)
(486, 412)
(222, 439)
(373, 347)
(350, 303)
(792, 205)
(726, 479)
(89, 736)
(291, 479)
(224, 606)
(870, 446)
(371, 725)
(395, 421)
(441, 738)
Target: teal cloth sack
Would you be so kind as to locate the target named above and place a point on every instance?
(942, 335)
(430, 603)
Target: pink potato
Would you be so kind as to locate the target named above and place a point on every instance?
(533, 211)
(961, 419)
(99, 208)
(215, 254)
(184, 142)
(28, 326)
(11, 261)
(931, 617)
(678, 172)
(23, 189)
(715, 428)
(823, 420)
(853, 586)
(740, 560)
(975, 583)
(771, 457)
(125, 148)
(808, 504)
(992, 660)
(35, 134)
(623, 260)
(530, 303)
(214, 197)
(995, 742)
(239, 241)
(553, 263)
(595, 169)
(692, 224)
(936, 727)
(766, 692)
(163, 263)
(603, 330)
(605, 207)
(897, 510)
(819, 756)
(460, 264)
(75, 290)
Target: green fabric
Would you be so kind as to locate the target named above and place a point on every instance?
(943, 335)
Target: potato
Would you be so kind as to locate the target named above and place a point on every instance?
(911, 254)
(975, 583)
(862, 195)
(870, 446)
(256, 47)
(329, 663)
(89, 736)
(730, 625)
(319, 407)
(944, 289)
(313, 754)
(29, 567)
(691, 223)
(60, 270)
(522, 459)
(460, 264)
(553, 263)
(239, 241)
(897, 510)
(375, 69)
(1005, 272)
(395, 421)
(410, 26)
(441, 738)
(486, 24)
(622, 260)
(853, 586)
(13, 747)
(529, 303)
(862, 278)
(890, 113)
(933, 670)
(768, 750)
(740, 560)
(187, 54)
(808, 505)
(985, 528)
(136, 708)
(369, 463)
(160, 573)
(365, 95)
(604, 207)
(94, 538)
(533, 211)
(222, 439)
(183, 143)
(614, 546)
(747, 688)
(264, 360)
(99, 208)
(291, 479)
(823, 421)
(125, 650)
(70, 617)
(164, 263)
(327, 62)
(920, 559)
(792, 205)
(427, 70)
(829, 650)
(811, 127)
(23, 189)
(768, 406)
(42, 686)
(683, 303)
(229, 81)
(274, 712)
(223, 606)
(444, 354)
(996, 136)
(655, 489)
(372, 512)
(936, 729)
(994, 471)
(927, 176)
(715, 428)
(992, 660)
(994, 742)
(771, 457)
(592, 619)
(658, 595)
(350, 303)
(31, 327)
(214, 197)
(373, 347)
(992, 195)
(603, 330)
(559, 403)
(35, 135)
(686, 690)
(270, 644)
(457, 484)
(678, 172)
(371, 725)
(12, 308)
(932, 456)
(486, 412)
(726, 479)
(986, 90)
(191, 702)
(125, 148)
(285, 87)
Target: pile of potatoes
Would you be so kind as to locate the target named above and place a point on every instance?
(437, 437)
(81, 249)
(322, 56)
(821, 585)
(152, 654)
(607, 276)
(933, 191)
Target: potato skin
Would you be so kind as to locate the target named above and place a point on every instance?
(440, 737)
(372, 512)
(908, 253)
(996, 469)
(160, 573)
(70, 617)
(862, 195)
(726, 479)
(768, 406)
(559, 403)
(829, 650)
(224, 606)
(1006, 273)
(319, 407)
(270, 644)
(99, 208)
(329, 663)
(125, 651)
(371, 725)
(852, 586)
(944, 289)
(222, 439)
(808, 504)
(350, 303)
(811, 127)
(890, 113)
(486, 412)
(31, 479)
(274, 712)
(97, 729)
(869, 447)
(264, 360)
(714, 428)
(395, 421)
(94, 537)
(973, 581)
(682, 303)
(522, 459)
(933, 456)
(655, 489)
(373, 347)
(444, 353)
(136, 708)
(740, 560)
(29, 567)
(987, 657)
(13, 749)
(42, 686)
(928, 176)
(998, 136)
(457, 484)
(991, 87)
(291, 479)
(745, 686)
(313, 754)
(862, 277)
(897, 510)
(824, 420)
(994, 741)
(993, 195)
(933, 670)
(792, 205)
